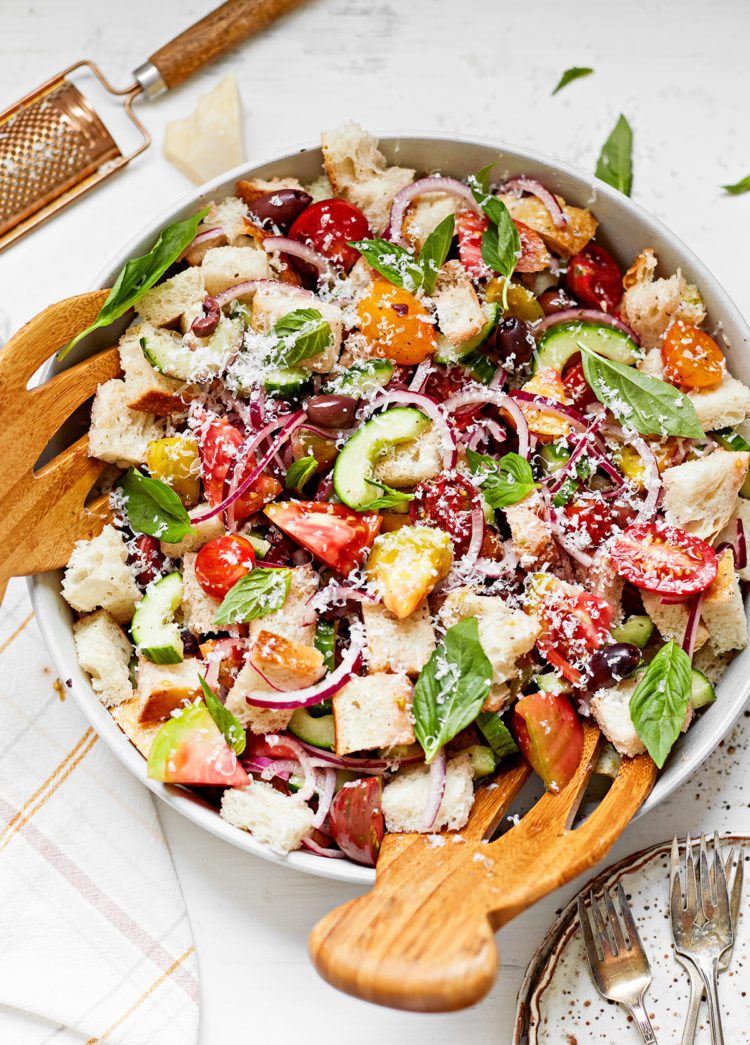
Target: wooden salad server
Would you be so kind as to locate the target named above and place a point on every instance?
(45, 510)
(423, 938)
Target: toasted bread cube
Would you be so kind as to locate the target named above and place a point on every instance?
(251, 189)
(357, 171)
(603, 580)
(650, 305)
(127, 715)
(294, 620)
(147, 390)
(104, 651)
(725, 405)
(270, 304)
(162, 688)
(272, 818)
(373, 711)
(411, 462)
(671, 620)
(117, 433)
(723, 610)
(166, 302)
(405, 797)
(257, 720)
(395, 645)
(700, 495)
(532, 537)
(742, 512)
(228, 215)
(460, 316)
(198, 608)
(98, 576)
(562, 239)
(224, 267)
(203, 532)
(284, 663)
(424, 214)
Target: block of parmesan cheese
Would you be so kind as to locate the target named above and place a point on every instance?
(211, 140)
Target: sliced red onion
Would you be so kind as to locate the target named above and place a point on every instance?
(402, 199)
(436, 790)
(421, 374)
(499, 378)
(606, 465)
(301, 251)
(332, 683)
(326, 791)
(309, 786)
(740, 543)
(203, 239)
(319, 850)
(674, 600)
(499, 399)
(584, 444)
(428, 406)
(585, 315)
(691, 628)
(567, 545)
(249, 286)
(326, 487)
(521, 183)
(374, 766)
(548, 406)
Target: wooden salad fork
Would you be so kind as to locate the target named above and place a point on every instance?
(423, 939)
(44, 510)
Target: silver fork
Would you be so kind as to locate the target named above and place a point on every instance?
(696, 981)
(701, 924)
(619, 966)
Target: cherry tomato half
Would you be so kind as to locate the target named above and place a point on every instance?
(594, 278)
(577, 388)
(596, 515)
(147, 559)
(395, 324)
(574, 623)
(221, 562)
(691, 357)
(665, 559)
(550, 736)
(328, 226)
(218, 442)
(445, 502)
(356, 819)
(333, 533)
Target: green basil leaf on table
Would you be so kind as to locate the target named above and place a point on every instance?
(435, 251)
(389, 498)
(739, 187)
(396, 263)
(451, 688)
(502, 482)
(299, 472)
(299, 335)
(574, 73)
(258, 593)
(660, 701)
(230, 726)
(140, 274)
(154, 508)
(639, 401)
(615, 163)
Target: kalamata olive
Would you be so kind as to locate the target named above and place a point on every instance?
(189, 642)
(556, 299)
(610, 664)
(279, 208)
(206, 322)
(331, 411)
(514, 342)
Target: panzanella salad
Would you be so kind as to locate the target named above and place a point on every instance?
(409, 478)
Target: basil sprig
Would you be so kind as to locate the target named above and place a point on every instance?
(299, 335)
(451, 688)
(140, 274)
(389, 498)
(615, 163)
(660, 701)
(401, 267)
(300, 472)
(255, 595)
(574, 73)
(743, 185)
(230, 726)
(503, 482)
(501, 243)
(154, 508)
(639, 401)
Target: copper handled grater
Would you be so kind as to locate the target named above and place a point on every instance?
(54, 147)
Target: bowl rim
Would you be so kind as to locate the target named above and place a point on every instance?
(44, 589)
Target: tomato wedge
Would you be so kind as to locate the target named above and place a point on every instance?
(550, 736)
(594, 278)
(221, 562)
(333, 533)
(357, 821)
(218, 442)
(470, 228)
(691, 357)
(574, 623)
(327, 227)
(665, 559)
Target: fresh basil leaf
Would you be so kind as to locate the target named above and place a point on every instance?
(503, 482)
(739, 187)
(140, 274)
(390, 498)
(574, 73)
(325, 643)
(615, 163)
(396, 263)
(639, 401)
(299, 335)
(299, 472)
(451, 688)
(255, 595)
(497, 734)
(435, 251)
(154, 508)
(660, 701)
(501, 243)
(230, 726)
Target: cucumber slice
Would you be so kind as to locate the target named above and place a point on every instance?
(355, 462)
(608, 761)
(482, 760)
(174, 357)
(732, 440)
(701, 692)
(320, 732)
(154, 630)
(325, 641)
(448, 354)
(496, 733)
(361, 379)
(552, 683)
(553, 456)
(560, 342)
(286, 382)
(260, 545)
(636, 630)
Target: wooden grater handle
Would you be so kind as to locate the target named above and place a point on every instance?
(215, 35)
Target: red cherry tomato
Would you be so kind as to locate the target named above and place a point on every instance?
(594, 278)
(328, 226)
(577, 388)
(333, 533)
(357, 821)
(665, 559)
(147, 559)
(469, 227)
(220, 563)
(550, 736)
(574, 624)
(445, 502)
(596, 515)
(218, 443)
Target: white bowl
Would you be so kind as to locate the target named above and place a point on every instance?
(625, 230)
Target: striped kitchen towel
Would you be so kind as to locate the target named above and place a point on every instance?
(95, 943)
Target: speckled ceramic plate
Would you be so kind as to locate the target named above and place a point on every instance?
(558, 1003)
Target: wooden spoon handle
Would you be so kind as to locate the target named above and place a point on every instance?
(215, 35)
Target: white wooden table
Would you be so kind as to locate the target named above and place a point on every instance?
(678, 70)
